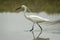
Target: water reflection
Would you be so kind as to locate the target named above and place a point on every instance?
(38, 38)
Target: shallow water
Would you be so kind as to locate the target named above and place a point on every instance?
(13, 26)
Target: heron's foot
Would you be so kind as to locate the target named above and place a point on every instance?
(28, 30)
(31, 30)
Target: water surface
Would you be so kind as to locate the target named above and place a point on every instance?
(13, 26)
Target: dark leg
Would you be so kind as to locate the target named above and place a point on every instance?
(40, 28)
(32, 27)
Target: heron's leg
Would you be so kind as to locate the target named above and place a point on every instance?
(40, 28)
(32, 27)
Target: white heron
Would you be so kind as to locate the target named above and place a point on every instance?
(34, 18)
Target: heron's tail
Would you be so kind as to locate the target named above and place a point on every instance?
(53, 22)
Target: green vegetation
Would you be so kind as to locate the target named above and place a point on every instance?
(50, 6)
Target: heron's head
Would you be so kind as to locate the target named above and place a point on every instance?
(23, 6)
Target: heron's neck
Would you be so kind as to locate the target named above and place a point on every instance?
(25, 10)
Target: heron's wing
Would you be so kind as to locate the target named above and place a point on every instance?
(35, 17)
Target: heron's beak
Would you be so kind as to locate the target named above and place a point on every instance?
(18, 8)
